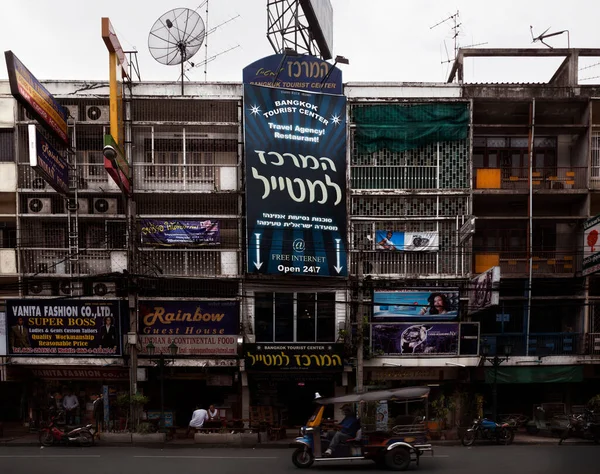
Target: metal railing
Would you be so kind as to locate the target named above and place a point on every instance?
(550, 178)
(394, 177)
(376, 262)
(188, 177)
(192, 262)
(45, 262)
(564, 263)
(593, 343)
(539, 344)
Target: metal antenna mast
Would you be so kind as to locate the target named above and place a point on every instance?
(455, 31)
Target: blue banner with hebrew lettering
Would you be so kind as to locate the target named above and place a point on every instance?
(295, 182)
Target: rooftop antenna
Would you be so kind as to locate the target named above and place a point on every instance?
(455, 31)
(176, 37)
(545, 35)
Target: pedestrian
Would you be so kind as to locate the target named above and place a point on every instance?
(99, 412)
(199, 416)
(70, 404)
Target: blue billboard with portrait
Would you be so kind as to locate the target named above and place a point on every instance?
(416, 305)
(295, 145)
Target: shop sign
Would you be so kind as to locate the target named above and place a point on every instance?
(295, 146)
(63, 328)
(294, 357)
(405, 374)
(79, 373)
(178, 233)
(415, 339)
(47, 161)
(198, 328)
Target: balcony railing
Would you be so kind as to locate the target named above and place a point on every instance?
(192, 262)
(379, 262)
(563, 263)
(394, 177)
(553, 178)
(44, 262)
(191, 177)
(539, 344)
(593, 343)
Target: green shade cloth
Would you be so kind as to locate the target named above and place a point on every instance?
(405, 127)
(535, 374)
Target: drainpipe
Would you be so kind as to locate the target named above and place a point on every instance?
(530, 234)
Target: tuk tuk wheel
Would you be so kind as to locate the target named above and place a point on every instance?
(398, 459)
(303, 458)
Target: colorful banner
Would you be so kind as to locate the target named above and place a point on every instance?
(63, 328)
(118, 168)
(440, 304)
(36, 99)
(296, 182)
(294, 357)
(197, 327)
(306, 73)
(48, 162)
(483, 291)
(407, 241)
(415, 339)
(591, 246)
(183, 233)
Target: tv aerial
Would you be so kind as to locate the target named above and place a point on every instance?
(545, 35)
(176, 37)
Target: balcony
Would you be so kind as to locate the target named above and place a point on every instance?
(186, 177)
(546, 262)
(564, 344)
(55, 262)
(394, 177)
(185, 263)
(550, 179)
(376, 262)
(593, 343)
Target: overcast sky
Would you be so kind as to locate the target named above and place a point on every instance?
(385, 40)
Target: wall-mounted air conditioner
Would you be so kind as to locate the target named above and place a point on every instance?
(39, 183)
(38, 288)
(96, 113)
(69, 288)
(82, 206)
(39, 206)
(105, 206)
(104, 288)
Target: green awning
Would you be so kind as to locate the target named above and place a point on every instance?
(538, 374)
(400, 127)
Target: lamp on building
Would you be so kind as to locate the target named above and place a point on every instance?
(495, 362)
(161, 361)
(338, 60)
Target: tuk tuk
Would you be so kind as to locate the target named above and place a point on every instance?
(394, 448)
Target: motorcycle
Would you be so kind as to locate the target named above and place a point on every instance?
(583, 426)
(502, 433)
(51, 434)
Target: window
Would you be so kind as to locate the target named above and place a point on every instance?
(294, 317)
(7, 146)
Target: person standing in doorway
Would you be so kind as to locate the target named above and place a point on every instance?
(70, 404)
(199, 417)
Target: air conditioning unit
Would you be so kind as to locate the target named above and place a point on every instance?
(96, 113)
(82, 207)
(73, 112)
(104, 288)
(39, 205)
(39, 183)
(105, 206)
(38, 288)
(69, 288)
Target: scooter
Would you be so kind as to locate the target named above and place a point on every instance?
(582, 426)
(482, 428)
(52, 434)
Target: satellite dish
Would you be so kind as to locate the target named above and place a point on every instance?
(176, 37)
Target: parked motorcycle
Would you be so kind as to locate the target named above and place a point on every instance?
(502, 433)
(585, 425)
(51, 434)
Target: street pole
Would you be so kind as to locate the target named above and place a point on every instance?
(161, 422)
(496, 363)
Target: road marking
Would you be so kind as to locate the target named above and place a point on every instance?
(52, 456)
(209, 457)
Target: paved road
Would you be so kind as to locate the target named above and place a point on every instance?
(549, 459)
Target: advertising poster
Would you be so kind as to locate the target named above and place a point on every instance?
(296, 182)
(483, 291)
(591, 246)
(415, 339)
(438, 304)
(63, 328)
(198, 328)
(171, 233)
(47, 162)
(294, 357)
(407, 241)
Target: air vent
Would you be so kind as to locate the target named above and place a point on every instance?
(105, 206)
(96, 113)
(39, 206)
(104, 288)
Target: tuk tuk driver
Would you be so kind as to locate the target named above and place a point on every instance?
(347, 429)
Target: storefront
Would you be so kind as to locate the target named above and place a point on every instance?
(283, 380)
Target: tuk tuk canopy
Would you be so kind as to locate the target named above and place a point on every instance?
(398, 394)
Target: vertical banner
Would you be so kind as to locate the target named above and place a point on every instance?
(295, 145)
(591, 246)
(47, 161)
(2, 333)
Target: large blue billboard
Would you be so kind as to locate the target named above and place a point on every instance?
(47, 161)
(295, 145)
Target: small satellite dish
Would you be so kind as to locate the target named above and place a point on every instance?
(176, 37)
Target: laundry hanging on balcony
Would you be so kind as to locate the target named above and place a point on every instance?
(400, 127)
